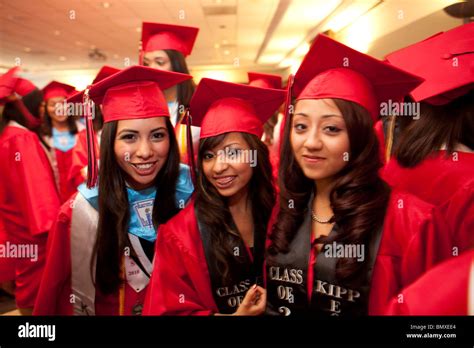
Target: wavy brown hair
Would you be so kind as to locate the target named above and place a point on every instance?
(213, 210)
(359, 197)
(112, 232)
(438, 125)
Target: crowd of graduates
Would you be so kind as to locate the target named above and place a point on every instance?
(268, 198)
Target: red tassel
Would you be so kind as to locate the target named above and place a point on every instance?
(189, 141)
(92, 167)
(286, 113)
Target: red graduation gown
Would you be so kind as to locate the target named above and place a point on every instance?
(180, 284)
(64, 163)
(447, 183)
(55, 291)
(7, 264)
(29, 204)
(454, 295)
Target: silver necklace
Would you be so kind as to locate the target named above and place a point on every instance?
(314, 217)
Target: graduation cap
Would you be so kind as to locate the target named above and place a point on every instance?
(220, 107)
(104, 72)
(264, 80)
(10, 84)
(132, 93)
(445, 61)
(333, 70)
(57, 89)
(158, 36)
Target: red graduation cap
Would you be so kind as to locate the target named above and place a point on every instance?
(220, 107)
(264, 80)
(445, 61)
(57, 89)
(104, 72)
(11, 84)
(135, 92)
(132, 93)
(158, 36)
(7, 83)
(333, 70)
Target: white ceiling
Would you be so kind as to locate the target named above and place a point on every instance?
(47, 37)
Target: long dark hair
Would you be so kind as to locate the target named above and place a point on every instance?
(359, 197)
(448, 124)
(47, 127)
(213, 209)
(112, 232)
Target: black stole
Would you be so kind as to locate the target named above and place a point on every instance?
(287, 278)
(243, 273)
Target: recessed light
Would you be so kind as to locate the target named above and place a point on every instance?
(106, 4)
(62, 58)
(217, 45)
(138, 29)
(27, 49)
(116, 56)
(226, 52)
(57, 32)
(225, 42)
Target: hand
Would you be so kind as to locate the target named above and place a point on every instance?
(254, 302)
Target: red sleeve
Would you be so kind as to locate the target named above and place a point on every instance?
(429, 296)
(34, 180)
(55, 290)
(415, 238)
(180, 282)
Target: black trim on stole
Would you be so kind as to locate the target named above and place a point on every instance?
(243, 272)
(287, 278)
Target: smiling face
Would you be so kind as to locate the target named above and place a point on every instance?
(53, 106)
(157, 60)
(319, 138)
(225, 167)
(141, 149)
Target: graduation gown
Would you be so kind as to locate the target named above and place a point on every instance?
(428, 296)
(67, 287)
(186, 280)
(446, 181)
(29, 204)
(304, 282)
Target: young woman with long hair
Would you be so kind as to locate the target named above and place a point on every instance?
(342, 243)
(101, 254)
(209, 257)
(59, 131)
(435, 155)
(165, 47)
(29, 200)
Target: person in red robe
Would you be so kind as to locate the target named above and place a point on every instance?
(435, 155)
(101, 246)
(454, 296)
(165, 47)
(59, 131)
(342, 243)
(29, 201)
(78, 171)
(209, 257)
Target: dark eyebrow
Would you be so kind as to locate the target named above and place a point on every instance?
(136, 132)
(324, 116)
